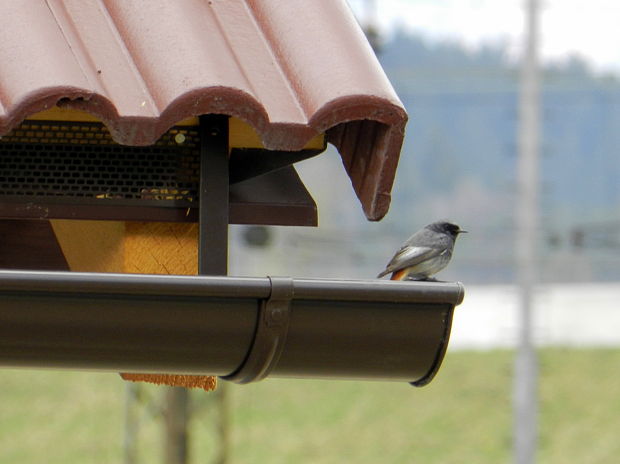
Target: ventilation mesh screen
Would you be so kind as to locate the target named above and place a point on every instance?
(79, 161)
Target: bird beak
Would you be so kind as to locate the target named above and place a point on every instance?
(462, 231)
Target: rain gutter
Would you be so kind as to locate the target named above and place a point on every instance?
(240, 328)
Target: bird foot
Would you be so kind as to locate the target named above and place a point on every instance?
(421, 279)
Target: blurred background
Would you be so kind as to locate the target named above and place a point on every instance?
(455, 65)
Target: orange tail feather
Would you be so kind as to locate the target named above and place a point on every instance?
(399, 275)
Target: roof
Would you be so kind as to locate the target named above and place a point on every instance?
(291, 69)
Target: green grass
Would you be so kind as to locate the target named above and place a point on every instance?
(463, 416)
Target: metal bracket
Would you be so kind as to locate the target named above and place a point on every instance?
(271, 332)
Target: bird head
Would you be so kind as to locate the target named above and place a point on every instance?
(447, 228)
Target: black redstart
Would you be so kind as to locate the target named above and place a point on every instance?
(425, 253)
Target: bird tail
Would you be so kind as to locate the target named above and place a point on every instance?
(399, 275)
(383, 273)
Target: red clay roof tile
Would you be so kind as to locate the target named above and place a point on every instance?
(292, 69)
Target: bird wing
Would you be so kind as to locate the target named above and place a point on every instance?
(409, 256)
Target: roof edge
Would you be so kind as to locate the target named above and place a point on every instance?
(368, 131)
(145, 130)
(369, 134)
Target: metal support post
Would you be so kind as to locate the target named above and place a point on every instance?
(212, 259)
(213, 202)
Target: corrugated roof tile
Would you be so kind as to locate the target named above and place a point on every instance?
(291, 69)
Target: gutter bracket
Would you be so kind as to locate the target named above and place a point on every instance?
(270, 336)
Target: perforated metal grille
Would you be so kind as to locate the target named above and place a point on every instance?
(80, 161)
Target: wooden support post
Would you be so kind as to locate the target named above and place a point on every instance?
(165, 248)
(145, 248)
(176, 418)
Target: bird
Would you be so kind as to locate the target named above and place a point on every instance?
(425, 253)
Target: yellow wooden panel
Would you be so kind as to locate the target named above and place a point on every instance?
(164, 248)
(241, 134)
(91, 246)
(161, 248)
(63, 114)
(134, 247)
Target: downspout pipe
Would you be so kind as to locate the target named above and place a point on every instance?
(240, 328)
